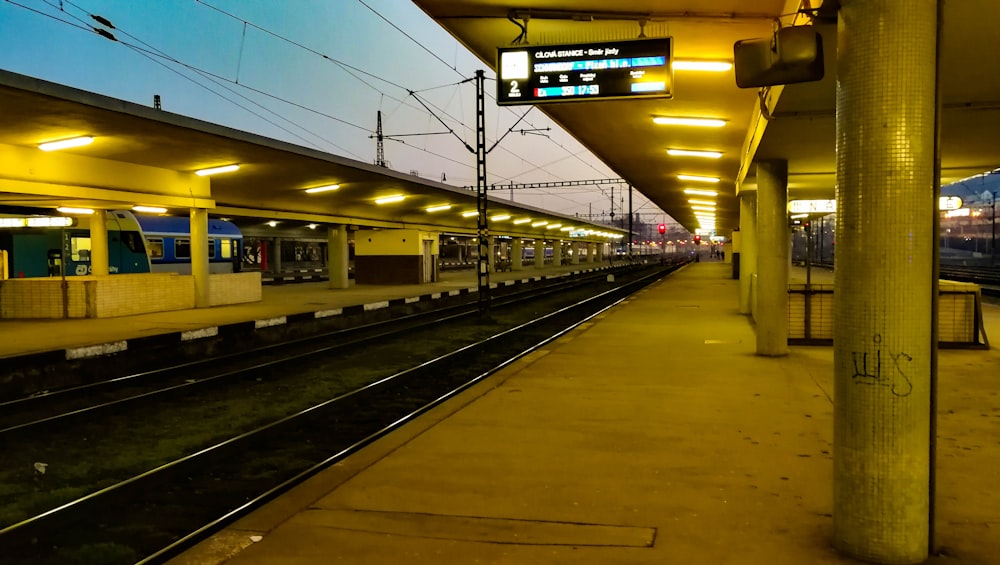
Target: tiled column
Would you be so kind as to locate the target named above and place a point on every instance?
(539, 253)
(557, 250)
(772, 258)
(883, 349)
(338, 248)
(748, 247)
(516, 254)
(199, 256)
(99, 243)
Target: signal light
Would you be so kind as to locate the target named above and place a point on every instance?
(697, 240)
(662, 228)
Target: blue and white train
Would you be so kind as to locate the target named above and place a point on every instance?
(45, 246)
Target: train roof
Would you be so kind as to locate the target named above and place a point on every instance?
(152, 225)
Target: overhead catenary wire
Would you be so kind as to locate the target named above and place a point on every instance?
(355, 72)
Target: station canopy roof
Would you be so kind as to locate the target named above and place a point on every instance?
(141, 155)
(802, 123)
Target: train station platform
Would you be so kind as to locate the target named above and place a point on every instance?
(19, 337)
(652, 434)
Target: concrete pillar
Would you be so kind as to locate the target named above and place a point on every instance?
(591, 252)
(539, 253)
(574, 248)
(883, 340)
(274, 258)
(748, 248)
(516, 254)
(772, 261)
(557, 251)
(98, 243)
(199, 256)
(338, 250)
(492, 246)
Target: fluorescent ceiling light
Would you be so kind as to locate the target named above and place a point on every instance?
(522, 221)
(798, 216)
(705, 208)
(694, 153)
(696, 178)
(438, 208)
(325, 188)
(216, 170)
(69, 210)
(470, 214)
(312, 226)
(66, 143)
(567, 228)
(710, 66)
(500, 217)
(390, 199)
(704, 202)
(149, 209)
(272, 223)
(554, 226)
(699, 192)
(696, 122)
(539, 224)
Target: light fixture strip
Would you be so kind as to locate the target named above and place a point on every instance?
(522, 221)
(700, 192)
(66, 143)
(708, 66)
(470, 214)
(390, 199)
(704, 208)
(71, 210)
(697, 178)
(694, 122)
(217, 170)
(694, 153)
(149, 209)
(438, 208)
(325, 188)
(703, 202)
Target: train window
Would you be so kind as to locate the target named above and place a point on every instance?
(227, 248)
(79, 248)
(133, 241)
(155, 247)
(211, 249)
(182, 249)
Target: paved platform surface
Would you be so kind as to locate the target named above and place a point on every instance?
(23, 337)
(651, 435)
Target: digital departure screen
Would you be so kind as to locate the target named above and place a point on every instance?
(589, 71)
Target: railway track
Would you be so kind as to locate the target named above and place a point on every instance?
(153, 511)
(85, 401)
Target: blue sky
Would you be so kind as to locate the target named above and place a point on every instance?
(310, 72)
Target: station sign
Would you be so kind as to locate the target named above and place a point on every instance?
(37, 222)
(830, 206)
(635, 68)
(812, 206)
(949, 203)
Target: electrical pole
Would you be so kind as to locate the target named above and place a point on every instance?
(481, 200)
(630, 221)
(379, 144)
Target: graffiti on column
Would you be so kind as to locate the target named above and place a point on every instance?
(896, 380)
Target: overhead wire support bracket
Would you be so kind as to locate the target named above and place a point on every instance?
(436, 117)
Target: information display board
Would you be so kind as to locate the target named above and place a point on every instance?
(636, 68)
